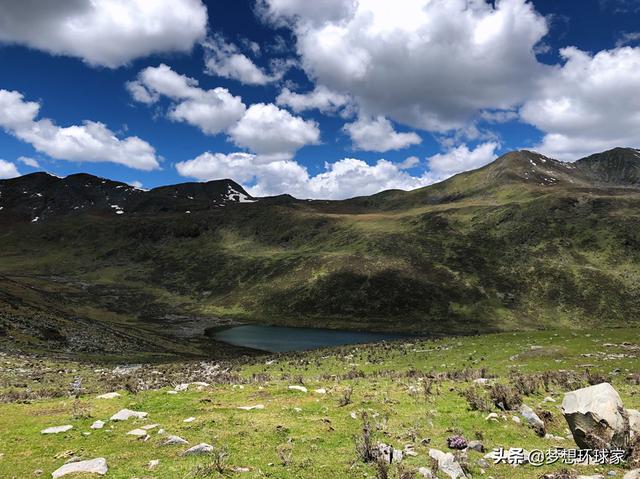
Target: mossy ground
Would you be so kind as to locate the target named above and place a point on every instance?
(313, 432)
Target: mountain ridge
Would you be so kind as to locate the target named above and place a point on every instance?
(525, 242)
(618, 167)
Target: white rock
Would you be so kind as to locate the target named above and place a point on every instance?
(97, 425)
(321, 391)
(153, 463)
(298, 388)
(634, 474)
(251, 408)
(172, 392)
(189, 419)
(492, 417)
(549, 399)
(426, 473)
(126, 414)
(174, 440)
(148, 427)
(482, 381)
(389, 454)
(634, 423)
(108, 396)
(531, 417)
(93, 466)
(516, 419)
(202, 448)
(56, 429)
(595, 417)
(137, 433)
(447, 463)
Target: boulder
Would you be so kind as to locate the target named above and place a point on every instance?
(596, 417)
(93, 466)
(447, 464)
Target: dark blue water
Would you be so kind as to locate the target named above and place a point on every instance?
(278, 339)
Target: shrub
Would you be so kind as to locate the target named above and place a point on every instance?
(505, 397)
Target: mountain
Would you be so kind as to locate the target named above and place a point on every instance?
(526, 242)
(40, 196)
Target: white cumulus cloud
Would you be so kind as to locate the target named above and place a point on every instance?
(213, 111)
(461, 158)
(92, 141)
(273, 133)
(345, 178)
(588, 104)
(321, 98)
(25, 160)
(378, 134)
(104, 32)
(429, 64)
(226, 60)
(8, 170)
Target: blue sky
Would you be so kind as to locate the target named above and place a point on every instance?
(183, 89)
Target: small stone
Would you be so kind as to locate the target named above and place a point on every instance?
(477, 446)
(389, 454)
(492, 417)
(93, 466)
(189, 419)
(137, 433)
(174, 441)
(172, 392)
(126, 414)
(516, 419)
(321, 391)
(447, 464)
(153, 463)
(548, 399)
(108, 396)
(56, 429)
(38, 472)
(251, 408)
(634, 474)
(426, 473)
(302, 389)
(148, 427)
(532, 418)
(202, 448)
(98, 425)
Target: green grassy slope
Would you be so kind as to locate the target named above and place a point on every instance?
(524, 243)
(413, 393)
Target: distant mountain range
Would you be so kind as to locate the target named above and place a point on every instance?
(524, 242)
